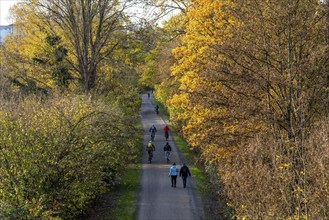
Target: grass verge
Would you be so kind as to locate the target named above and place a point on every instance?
(120, 202)
(126, 204)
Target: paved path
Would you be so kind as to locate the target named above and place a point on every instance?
(157, 199)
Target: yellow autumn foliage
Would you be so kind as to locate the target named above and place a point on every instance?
(24, 45)
(249, 87)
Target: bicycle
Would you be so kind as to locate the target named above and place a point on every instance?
(156, 108)
(168, 156)
(166, 135)
(150, 152)
(153, 130)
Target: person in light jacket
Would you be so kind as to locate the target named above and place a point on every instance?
(173, 173)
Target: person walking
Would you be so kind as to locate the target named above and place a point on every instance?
(173, 172)
(184, 173)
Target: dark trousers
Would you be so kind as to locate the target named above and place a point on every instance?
(173, 181)
(184, 180)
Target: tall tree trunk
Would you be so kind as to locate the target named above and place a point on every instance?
(90, 26)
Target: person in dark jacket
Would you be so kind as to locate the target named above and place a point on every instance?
(167, 150)
(184, 173)
(153, 130)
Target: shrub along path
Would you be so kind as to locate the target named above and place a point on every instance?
(157, 199)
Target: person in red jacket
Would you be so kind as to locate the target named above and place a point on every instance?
(166, 131)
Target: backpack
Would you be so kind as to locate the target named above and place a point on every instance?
(150, 145)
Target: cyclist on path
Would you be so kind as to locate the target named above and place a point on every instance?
(156, 108)
(167, 150)
(150, 148)
(166, 131)
(153, 130)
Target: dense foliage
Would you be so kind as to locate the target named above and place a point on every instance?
(57, 155)
(246, 83)
(250, 88)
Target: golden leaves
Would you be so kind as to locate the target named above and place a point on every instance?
(246, 71)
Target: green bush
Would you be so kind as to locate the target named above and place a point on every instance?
(58, 155)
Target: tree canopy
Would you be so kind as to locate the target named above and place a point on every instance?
(250, 87)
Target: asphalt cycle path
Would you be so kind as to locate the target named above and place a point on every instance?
(157, 199)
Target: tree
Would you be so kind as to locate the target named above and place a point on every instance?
(163, 9)
(284, 68)
(36, 58)
(249, 73)
(92, 29)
